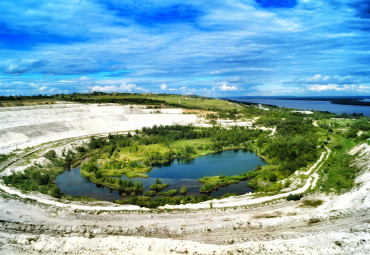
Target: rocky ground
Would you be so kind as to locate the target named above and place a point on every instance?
(34, 224)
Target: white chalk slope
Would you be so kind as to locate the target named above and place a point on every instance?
(28, 126)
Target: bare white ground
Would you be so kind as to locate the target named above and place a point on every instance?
(28, 126)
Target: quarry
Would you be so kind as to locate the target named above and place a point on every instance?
(34, 223)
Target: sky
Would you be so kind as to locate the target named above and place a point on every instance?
(212, 48)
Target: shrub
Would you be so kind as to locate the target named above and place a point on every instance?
(171, 192)
(50, 155)
(313, 202)
(294, 197)
(184, 190)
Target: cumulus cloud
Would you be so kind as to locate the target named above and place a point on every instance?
(122, 88)
(336, 87)
(105, 88)
(224, 87)
(163, 86)
(327, 79)
(347, 84)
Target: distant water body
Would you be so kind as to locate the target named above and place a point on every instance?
(308, 105)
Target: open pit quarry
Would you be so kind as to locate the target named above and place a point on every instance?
(32, 223)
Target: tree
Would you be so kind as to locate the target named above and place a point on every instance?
(184, 190)
(55, 192)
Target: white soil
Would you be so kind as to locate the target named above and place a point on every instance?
(28, 126)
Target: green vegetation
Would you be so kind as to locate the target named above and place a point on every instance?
(151, 100)
(214, 182)
(4, 157)
(312, 203)
(11, 101)
(36, 179)
(171, 192)
(158, 186)
(294, 197)
(150, 193)
(145, 201)
(183, 190)
(41, 178)
(338, 174)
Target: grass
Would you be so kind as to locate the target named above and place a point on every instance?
(313, 221)
(337, 173)
(200, 144)
(5, 157)
(190, 102)
(312, 203)
(214, 182)
(171, 192)
(26, 102)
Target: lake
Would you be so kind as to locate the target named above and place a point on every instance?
(309, 105)
(178, 174)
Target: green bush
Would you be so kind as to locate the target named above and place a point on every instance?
(294, 197)
(184, 190)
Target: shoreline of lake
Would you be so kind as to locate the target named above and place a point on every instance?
(306, 104)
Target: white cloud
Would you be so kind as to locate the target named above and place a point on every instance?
(122, 88)
(224, 87)
(127, 87)
(163, 86)
(105, 88)
(66, 81)
(327, 79)
(318, 87)
(84, 78)
(336, 87)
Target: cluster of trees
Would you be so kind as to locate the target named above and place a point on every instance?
(128, 186)
(359, 125)
(35, 179)
(20, 98)
(66, 161)
(158, 185)
(234, 136)
(291, 153)
(214, 182)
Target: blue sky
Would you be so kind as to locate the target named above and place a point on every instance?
(210, 47)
